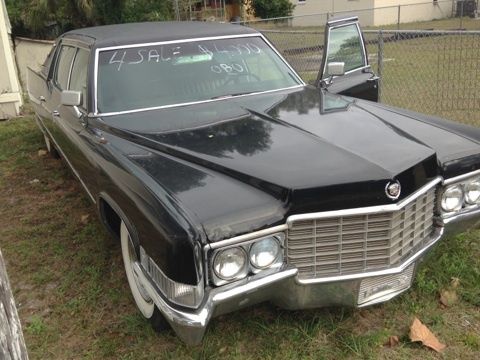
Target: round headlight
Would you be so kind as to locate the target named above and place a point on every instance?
(229, 263)
(263, 253)
(452, 198)
(472, 192)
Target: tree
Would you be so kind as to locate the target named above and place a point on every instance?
(272, 8)
(147, 10)
(50, 18)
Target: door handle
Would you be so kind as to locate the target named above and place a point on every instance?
(55, 113)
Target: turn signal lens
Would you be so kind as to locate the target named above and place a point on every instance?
(452, 198)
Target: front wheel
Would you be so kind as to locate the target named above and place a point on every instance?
(143, 301)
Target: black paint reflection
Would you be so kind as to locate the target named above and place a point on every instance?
(246, 136)
(311, 99)
(173, 175)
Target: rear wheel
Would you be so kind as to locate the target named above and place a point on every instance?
(143, 301)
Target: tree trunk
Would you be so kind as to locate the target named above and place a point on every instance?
(12, 344)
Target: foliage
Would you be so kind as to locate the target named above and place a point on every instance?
(272, 8)
(147, 10)
(50, 18)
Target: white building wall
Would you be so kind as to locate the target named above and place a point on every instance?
(30, 53)
(304, 10)
(10, 98)
(370, 12)
(386, 12)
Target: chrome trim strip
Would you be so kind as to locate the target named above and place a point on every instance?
(466, 215)
(366, 210)
(437, 236)
(246, 237)
(360, 69)
(384, 298)
(69, 164)
(194, 102)
(460, 177)
(180, 41)
(423, 32)
(351, 18)
(223, 37)
(283, 59)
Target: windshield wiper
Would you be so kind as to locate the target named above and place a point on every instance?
(231, 95)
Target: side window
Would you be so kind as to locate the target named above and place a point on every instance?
(345, 45)
(62, 70)
(78, 80)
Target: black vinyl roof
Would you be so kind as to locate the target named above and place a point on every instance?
(132, 33)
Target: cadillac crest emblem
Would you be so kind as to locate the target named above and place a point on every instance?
(393, 190)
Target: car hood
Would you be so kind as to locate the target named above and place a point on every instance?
(310, 150)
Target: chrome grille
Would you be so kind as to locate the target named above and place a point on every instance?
(360, 243)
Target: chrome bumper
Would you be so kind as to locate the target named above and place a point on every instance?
(287, 291)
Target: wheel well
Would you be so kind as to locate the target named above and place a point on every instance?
(111, 219)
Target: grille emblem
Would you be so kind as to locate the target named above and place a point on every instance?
(393, 190)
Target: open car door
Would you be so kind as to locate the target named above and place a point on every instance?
(345, 69)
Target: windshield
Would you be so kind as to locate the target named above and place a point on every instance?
(168, 74)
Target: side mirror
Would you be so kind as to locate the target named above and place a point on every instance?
(71, 98)
(336, 69)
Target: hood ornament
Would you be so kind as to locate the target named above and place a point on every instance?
(393, 190)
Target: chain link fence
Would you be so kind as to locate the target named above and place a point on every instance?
(434, 72)
(430, 71)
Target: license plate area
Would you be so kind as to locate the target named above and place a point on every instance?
(382, 288)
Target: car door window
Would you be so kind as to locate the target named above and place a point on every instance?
(345, 45)
(64, 63)
(78, 79)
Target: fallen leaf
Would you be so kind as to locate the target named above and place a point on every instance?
(455, 282)
(392, 341)
(448, 297)
(42, 152)
(419, 332)
(34, 181)
(84, 219)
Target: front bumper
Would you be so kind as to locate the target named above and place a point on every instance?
(286, 290)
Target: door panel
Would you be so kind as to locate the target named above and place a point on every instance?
(68, 128)
(344, 43)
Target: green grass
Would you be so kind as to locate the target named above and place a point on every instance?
(74, 300)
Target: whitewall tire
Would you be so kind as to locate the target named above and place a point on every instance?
(140, 295)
